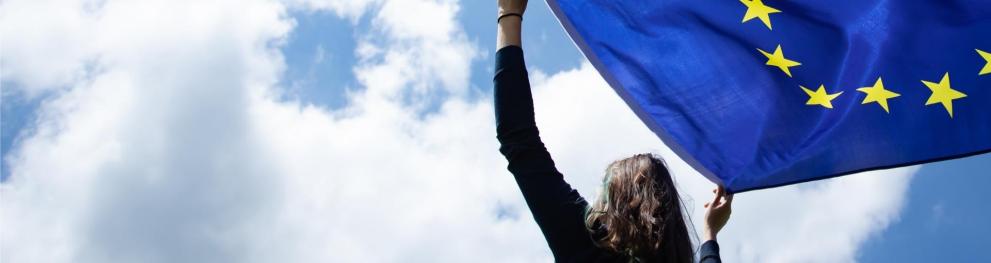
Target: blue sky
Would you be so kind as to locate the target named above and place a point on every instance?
(943, 217)
(17, 113)
(318, 33)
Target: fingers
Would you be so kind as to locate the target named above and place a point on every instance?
(720, 194)
(727, 196)
(721, 198)
(727, 199)
(712, 205)
(715, 200)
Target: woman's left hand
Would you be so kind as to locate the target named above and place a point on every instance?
(717, 213)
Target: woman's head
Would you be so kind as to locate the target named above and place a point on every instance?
(639, 212)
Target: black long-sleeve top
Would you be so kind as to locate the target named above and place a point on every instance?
(558, 209)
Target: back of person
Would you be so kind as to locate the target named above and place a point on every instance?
(638, 217)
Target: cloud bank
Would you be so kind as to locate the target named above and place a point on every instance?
(164, 140)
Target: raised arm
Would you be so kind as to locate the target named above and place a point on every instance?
(558, 209)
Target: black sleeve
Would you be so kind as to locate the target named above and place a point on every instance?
(709, 253)
(558, 209)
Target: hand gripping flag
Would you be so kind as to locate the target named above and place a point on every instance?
(757, 94)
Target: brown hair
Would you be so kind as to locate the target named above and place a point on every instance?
(639, 212)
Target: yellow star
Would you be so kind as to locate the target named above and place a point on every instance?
(820, 97)
(757, 9)
(878, 94)
(942, 93)
(987, 67)
(778, 60)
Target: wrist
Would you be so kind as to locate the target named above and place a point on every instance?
(509, 32)
(514, 18)
(708, 235)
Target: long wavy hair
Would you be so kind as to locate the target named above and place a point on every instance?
(639, 213)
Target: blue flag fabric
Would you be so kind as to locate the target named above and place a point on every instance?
(757, 94)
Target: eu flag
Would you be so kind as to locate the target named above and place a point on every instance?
(757, 94)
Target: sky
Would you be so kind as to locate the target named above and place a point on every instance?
(362, 130)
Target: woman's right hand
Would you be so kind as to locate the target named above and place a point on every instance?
(717, 213)
(512, 7)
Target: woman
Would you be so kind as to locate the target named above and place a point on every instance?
(639, 216)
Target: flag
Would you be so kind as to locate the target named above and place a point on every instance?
(757, 94)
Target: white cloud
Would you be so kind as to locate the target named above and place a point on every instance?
(417, 50)
(43, 43)
(173, 148)
(824, 222)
